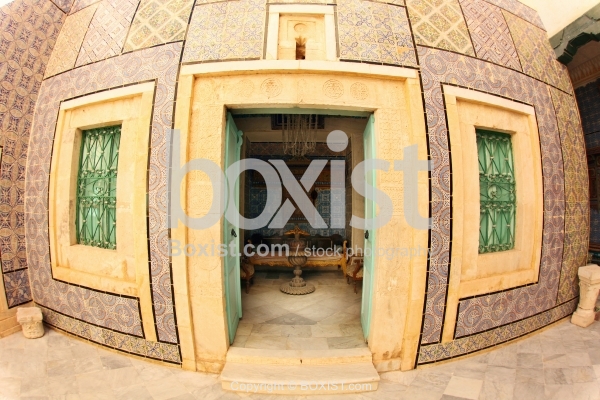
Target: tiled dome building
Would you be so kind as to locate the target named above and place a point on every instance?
(430, 72)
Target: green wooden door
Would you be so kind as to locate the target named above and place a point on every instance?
(369, 246)
(233, 295)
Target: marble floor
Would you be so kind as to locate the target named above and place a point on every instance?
(328, 318)
(561, 363)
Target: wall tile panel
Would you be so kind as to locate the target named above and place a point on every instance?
(521, 10)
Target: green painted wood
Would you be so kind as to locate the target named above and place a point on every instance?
(233, 294)
(370, 239)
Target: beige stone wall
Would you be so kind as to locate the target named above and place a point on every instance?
(205, 95)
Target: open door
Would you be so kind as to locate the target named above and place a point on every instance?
(369, 257)
(233, 294)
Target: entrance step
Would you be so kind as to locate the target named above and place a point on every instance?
(301, 372)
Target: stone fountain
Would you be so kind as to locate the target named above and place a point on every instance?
(297, 258)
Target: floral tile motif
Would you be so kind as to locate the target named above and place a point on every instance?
(81, 4)
(576, 194)
(107, 31)
(225, 31)
(439, 67)
(69, 41)
(536, 55)
(106, 310)
(438, 352)
(376, 32)
(116, 340)
(440, 23)
(64, 5)
(521, 10)
(490, 33)
(158, 22)
(29, 31)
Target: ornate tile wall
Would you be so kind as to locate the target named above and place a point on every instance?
(226, 31)
(376, 32)
(440, 23)
(490, 33)
(477, 314)
(69, 41)
(535, 53)
(81, 4)
(576, 194)
(64, 5)
(28, 32)
(116, 340)
(103, 309)
(158, 22)
(107, 31)
(493, 337)
(520, 10)
(588, 100)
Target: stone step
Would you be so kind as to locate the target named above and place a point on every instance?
(243, 355)
(8, 323)
(300, 372)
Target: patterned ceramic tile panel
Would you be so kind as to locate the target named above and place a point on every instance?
(81, 4)
(160, 63)
(376, 32)
(157, 22)
(64, 5)
(520, 10)
(493, 337)
(28, 32)
(536, 55)
(576, 194)
(490, 33)
(225, 31)
(116, 340)
(588, 100)
(107, 31)
(69, 41)
(440, 66)
(440, 23)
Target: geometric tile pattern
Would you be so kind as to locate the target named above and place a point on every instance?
(69, 41)
(375, 32)
(520, 10)
(158, 22)
(476, 313)
(159, 63)
(107, 31)
(226, 31)
(576, 194)
(80, 4)
(109, 338)
(440, 23)
(28, 32)
(64, 5)
(490, 33)
(536, 55)
(588, 100)
(439, 352)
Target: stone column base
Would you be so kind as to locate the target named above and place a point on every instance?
(589, 285)
(30, 319)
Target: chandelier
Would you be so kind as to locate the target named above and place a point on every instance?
(299, 132)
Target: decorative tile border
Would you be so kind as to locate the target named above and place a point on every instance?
(158, 22)
(81, 4)
(520, 10)
(490, 33)
(69, 41)
(115, 340)
(64, 5)
(160, 63)
(375, 32)
(444, 67)
(226, 31)
(440, 23)
(493, 337)
(107, 31)
(29, 29)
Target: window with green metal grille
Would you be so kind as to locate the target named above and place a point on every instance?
(497, 192)
(96, 218)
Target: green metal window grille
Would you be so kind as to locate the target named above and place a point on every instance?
(497, 194)
(96, 218)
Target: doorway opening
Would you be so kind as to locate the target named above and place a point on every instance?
(336, 315)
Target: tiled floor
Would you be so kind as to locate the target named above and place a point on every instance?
(561, 363)
(328, 318)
